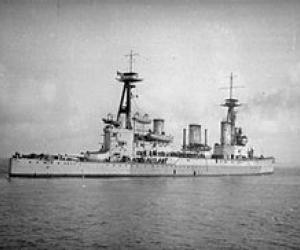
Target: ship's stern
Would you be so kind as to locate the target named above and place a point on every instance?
(267, 165)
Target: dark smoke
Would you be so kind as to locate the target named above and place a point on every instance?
(275, 104)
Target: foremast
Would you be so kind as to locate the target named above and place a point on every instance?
(128, 79)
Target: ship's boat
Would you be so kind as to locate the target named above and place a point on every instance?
(96, 156)
(160, 138)
(142, 119)
(110, 120)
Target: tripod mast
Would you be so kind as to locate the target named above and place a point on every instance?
(128, 79)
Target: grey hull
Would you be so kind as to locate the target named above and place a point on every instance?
(178, 167)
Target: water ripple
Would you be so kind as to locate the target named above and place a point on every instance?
(152, 213)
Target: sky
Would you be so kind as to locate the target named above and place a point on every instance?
(58, 63)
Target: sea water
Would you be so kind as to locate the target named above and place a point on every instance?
(237, 212)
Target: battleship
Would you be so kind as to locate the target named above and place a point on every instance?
(134, 144)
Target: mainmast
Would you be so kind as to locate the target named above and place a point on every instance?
(128, 79)
(230, 103)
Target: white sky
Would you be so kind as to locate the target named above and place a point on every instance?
(58, 63)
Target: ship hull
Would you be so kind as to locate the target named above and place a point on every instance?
(176, 167)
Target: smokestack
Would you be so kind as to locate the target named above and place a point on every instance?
(184, 139)
(194, 134)
(205, 136)
(158, 126)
